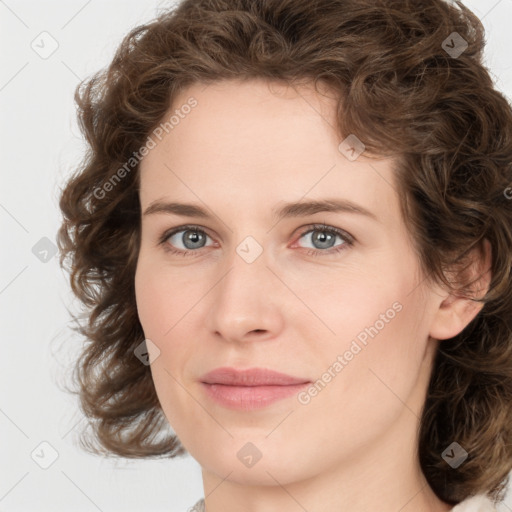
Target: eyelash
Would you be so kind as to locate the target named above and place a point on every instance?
(347, 239)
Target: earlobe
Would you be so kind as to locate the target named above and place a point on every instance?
(455, 312)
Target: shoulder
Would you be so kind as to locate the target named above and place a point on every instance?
(476, 503)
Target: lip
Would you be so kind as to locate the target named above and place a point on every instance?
(250, 377)
(250, 389)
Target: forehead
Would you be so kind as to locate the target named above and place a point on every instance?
(239, 120)
(263, 141)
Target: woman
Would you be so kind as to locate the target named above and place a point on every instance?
(293, 234)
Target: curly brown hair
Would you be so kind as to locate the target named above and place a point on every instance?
(408, 87)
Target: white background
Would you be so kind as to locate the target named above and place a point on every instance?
(40, 145)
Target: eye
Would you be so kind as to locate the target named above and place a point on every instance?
(325, 237)
(190, 237)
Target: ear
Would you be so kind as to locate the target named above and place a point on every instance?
(454, 312)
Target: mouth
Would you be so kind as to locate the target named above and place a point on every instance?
(250, 389)
(250, 377)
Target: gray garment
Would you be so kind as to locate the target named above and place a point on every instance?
(478, 503)
(198, 507)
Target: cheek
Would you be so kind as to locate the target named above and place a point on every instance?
(159, 296)
(381, 362)
(353, 306)
(360, 396)
(379, 335)
(162, 305)
(159, 311)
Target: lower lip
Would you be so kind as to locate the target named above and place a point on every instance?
(247, 398)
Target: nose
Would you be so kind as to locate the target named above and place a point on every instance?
(248, 302)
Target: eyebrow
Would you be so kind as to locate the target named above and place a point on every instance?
(288, 210)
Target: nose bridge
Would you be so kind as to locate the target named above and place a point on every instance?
(248, 274)
(247, 258)
(245, 298)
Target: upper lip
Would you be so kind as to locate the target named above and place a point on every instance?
(250, 377)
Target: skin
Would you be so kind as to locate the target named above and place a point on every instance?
(243, 150)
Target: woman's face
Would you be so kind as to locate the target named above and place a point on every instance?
(348, 312)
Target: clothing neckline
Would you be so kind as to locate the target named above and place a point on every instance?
(475, 503)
